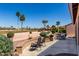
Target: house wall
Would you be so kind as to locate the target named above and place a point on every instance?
(75, 21)
(77, 26)
(70, 30)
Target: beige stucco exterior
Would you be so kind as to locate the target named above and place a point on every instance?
(77, 26)
(74, 11)
(70, 30)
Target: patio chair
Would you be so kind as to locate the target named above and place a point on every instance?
(63, 37)
(39, 42)
(33, 47)
(36, 45)
(43, 41)
(51, 37)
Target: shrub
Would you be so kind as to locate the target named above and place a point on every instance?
(62, 31)
(10, 34)
(30, 32)
(6, 45)
(43, 34)
(54, 30)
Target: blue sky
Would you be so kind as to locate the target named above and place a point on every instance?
(34, 13)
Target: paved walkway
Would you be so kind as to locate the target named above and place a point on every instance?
(62, 46)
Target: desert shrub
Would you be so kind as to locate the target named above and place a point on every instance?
(30, 32)
(43, 34)
(10, 34)
(54, 30)
(6, 46)
(62, 31)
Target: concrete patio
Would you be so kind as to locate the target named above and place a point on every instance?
(62, 46)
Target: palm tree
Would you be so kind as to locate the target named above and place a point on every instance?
(11, 27)
(48, 26)
(22, 19)
(45, 23)
(18, 15)
(58, 23)
(53, 26)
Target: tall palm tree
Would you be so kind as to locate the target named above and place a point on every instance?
(22, 19)
(18, 15)
(48, 26)
(45, 23)
(53, 26)
(11, 27)
(58, 23)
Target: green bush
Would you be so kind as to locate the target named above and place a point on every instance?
(10, 34)
(6, 46)
(62, 31)
(54, 30)
(43, 34)
(30, 32)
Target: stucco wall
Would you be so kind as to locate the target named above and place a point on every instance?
(24, 35)
(70, 30)
(77, 26)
